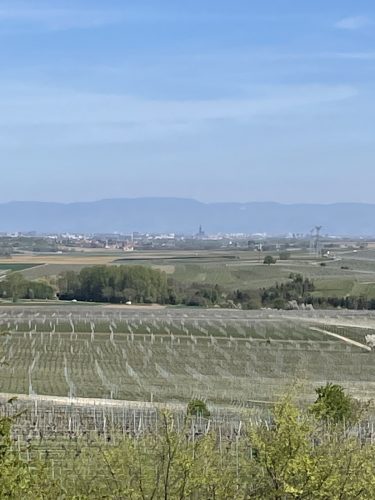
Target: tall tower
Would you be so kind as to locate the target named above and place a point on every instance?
(317, 240)
(315, 245)
(201, 233)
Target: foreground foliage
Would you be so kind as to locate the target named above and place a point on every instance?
(292, 455)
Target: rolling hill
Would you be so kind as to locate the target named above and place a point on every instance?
(184, 216)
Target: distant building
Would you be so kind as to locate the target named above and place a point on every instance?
(201, 234)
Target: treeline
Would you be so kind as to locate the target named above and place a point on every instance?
(141, 284)
(15, 287)
(360, 302)
(138, 284)
(291, 454)
(298, 291)
(116, 284)
(279, 295)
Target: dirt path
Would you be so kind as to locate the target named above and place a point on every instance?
(65, 401)
(341, 337)
(115, 403)
(365, 323)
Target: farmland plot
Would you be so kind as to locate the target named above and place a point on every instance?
(174, 355)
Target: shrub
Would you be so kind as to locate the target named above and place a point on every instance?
(197, 407)
(333, 405)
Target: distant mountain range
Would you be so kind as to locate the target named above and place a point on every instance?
(161, 215)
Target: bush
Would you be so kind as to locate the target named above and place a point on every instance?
(333, 405)
(198, 408)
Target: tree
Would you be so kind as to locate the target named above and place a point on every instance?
(115, 284)
(197, 407)
(333, 405)
(107, 293)
(297, 459)
(285, 255)
(15, 286)
(279, 303)
(268, 259)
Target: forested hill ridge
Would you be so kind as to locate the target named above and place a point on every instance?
(184, 216)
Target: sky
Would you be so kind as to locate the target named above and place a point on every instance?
(247, 100)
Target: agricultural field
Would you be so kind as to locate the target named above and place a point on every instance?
(46, 265)
(227, 357)
(351, 273)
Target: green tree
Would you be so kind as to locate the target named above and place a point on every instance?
(334, 405)
(197, 407)
(295, 458)
(108, 293)
(268, 259)
(16, 286)
(115, 284)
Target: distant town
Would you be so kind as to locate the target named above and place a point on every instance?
(313, 242)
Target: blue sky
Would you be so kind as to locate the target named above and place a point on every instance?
(248, 100)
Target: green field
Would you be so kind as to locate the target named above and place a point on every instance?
(350, 273)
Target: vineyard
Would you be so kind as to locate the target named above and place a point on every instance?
(103, 393)
(173, 355)
(39, 422)
(42, 427)
(119, 451)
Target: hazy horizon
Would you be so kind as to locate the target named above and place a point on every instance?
(182, 198)
(247, 101)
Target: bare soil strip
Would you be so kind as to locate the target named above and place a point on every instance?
(113, 403)
(66, 401)
(345, 339)
(365, 323)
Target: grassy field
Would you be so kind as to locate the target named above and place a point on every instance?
(341, 277)
(175, 355)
